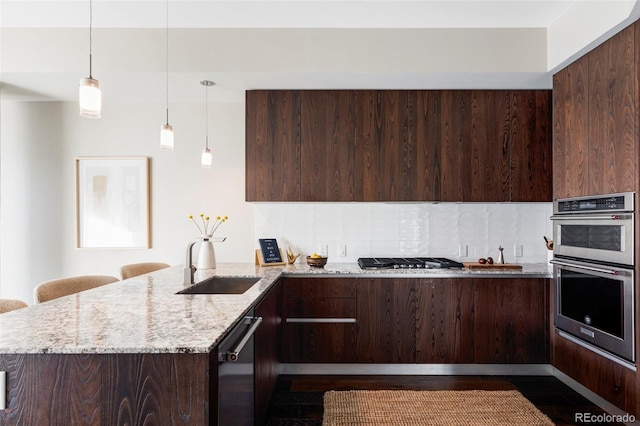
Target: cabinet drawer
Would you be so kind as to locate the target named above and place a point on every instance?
(319, 342)
(320, 308)
(319, 287)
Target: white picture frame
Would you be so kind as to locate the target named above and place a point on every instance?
(112, 202)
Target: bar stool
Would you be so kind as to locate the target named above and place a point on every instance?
(64, 286)
(135, 269)
(7, 305)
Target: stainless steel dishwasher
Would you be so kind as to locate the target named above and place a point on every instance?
(235, 374)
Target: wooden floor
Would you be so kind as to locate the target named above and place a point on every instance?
(298, 399)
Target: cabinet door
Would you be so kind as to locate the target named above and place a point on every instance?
(439, 138)
(530, 148)
(109, 389)
(610, 380)
(444, 321)
(386, 320)
(385, 146)
(612, 115)
(511, 320)
(52, 389)
(485, 146)
(272, 145)
(266, 359)
(327, 145)
(570, 132)
(320, 320)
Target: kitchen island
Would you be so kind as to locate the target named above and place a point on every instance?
(135, 349)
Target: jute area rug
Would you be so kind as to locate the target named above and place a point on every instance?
(412, 408)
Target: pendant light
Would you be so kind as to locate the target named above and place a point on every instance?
(89, 96)
(206, 157)
(166, 131)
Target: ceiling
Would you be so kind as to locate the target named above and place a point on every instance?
(287, 44)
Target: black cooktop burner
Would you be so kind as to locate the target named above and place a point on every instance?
(408, 263)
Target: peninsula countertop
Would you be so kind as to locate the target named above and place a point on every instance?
(145, 315)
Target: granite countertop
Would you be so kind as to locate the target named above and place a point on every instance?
(144, 315)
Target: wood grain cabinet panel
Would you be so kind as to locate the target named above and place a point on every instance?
(267, 350)
(510, 320)
(327, 145)
(52, 389)
(595, 120)
(110, 389)
(444, 321)
(386, 320)
(530, 146)
(397, 145)
(612, 115)
(486, 146)
(439, 139)
(272, 145)
(570, 133)
(311, 307)
(613, 382)
(385, 168)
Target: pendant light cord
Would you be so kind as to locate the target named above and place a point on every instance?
(206, 112)
(90, 38)
(167, 59)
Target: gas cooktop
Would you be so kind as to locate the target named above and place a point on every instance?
(408, 263)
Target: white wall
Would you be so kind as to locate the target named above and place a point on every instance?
(38, 187)
(30, 188)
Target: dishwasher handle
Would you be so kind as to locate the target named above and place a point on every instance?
(233, 354)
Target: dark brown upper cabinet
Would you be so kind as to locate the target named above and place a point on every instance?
(328, 149)
(385, 146)
(398, 145)
(531, 153)
(273, 145)
(595, 120)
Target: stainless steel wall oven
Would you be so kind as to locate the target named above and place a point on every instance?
(593, 271)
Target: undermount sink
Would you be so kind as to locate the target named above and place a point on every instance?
(222, 285)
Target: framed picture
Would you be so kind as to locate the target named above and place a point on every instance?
(112, 202)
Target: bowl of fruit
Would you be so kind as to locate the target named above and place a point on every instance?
(316, 260)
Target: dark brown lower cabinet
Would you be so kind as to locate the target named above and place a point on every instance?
(386, 318)
(510, 320)
(319, 320)
(409, 320)
(608, 379)
(444, 321)
(266, 359)
(109, 389)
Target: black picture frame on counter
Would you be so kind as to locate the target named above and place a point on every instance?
(269, 254)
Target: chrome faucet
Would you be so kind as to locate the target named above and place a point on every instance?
(189, 269)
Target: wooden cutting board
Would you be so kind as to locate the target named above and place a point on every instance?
(476, 265)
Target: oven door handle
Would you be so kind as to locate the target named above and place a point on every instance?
(588, 268)
(598, 217)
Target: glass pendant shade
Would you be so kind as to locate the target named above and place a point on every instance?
(206, 158)
(90, 98)
(166, 137)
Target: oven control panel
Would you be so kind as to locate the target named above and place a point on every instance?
(600, 203)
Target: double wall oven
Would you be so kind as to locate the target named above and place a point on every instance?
(593, 271)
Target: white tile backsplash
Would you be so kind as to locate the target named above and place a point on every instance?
(416, 229)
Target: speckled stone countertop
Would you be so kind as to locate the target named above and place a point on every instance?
(145, 315)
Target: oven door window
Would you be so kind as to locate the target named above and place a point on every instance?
(600, 237)
(594, 301)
